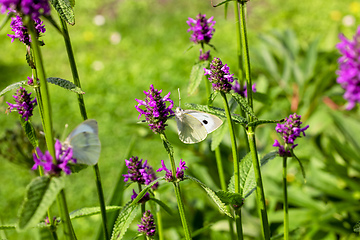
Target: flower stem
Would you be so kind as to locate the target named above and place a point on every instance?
(84, 115)
(45, 114)
(176, 187)
(236, 163)
(238, 38)
(260, 195)
(286, 206)
(159, 220)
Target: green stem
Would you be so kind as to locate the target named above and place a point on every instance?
(236, 163)
(81, 103)
(245, 49)
(238, 41)
(45, 115)
(286, 206)
(260, 195)
(159, 226)
(65, 217)
(176, 187)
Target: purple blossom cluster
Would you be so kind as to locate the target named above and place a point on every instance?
(349, 68)
(144, 199)
(202, 29)
(204, 56)
(147, 225)
(289, 131)
(24, 104)
(219, 76)
(156, 112)
(242, 91)
(140, 172)
(33, 8)
(21, 31)
(179, 171)
(54, 168)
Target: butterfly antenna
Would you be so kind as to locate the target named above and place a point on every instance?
(179, 97)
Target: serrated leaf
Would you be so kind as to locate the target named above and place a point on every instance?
(212, 195)
(65, 10)
(196, 75)
(7, 227)
(30, 132)
(163, 205)
(77, 167)
(218, 135)
(65, 84)
(230, 198)
(212, 97)
(11, 87)
(243, 104)
(357, 227)
(40, 194)
(85, 212)
(124, 220)
(259, 122)
(167, 144)
(217, 111)
(144, 191)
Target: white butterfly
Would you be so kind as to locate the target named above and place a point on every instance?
(193, 126)
(85, 142)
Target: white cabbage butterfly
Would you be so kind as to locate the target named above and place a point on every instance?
(193, 126)
(85, 142)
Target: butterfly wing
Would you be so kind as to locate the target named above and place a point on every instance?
(85, 142)
(209, 121)
(190, 129)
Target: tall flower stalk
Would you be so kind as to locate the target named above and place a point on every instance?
(156, 113)
(221, 80)
(83, 112)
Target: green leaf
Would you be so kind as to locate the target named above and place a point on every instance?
(11, 87)
(85, 212)
(230, 198)
(243, 104)
(65, 10)
(40, 194)
(7, 227)
(124, 220)
(6, 19)
(301, 166)
(357, 227)
(65, 84)
(219, 4)
(310, 61)
(218, 135)
(163, 205)
(30, 132)
(196, 75)
(263, 98)
(147, 188)
(212, 195)
(260, 122)
(76, 167)
(212, 97)
(216, 111)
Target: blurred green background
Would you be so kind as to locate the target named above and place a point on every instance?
(121, 47)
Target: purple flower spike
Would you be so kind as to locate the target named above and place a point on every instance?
(219, 76)
(202, 29)
(349, 68)
(144, 199)
(139, 172)
(156, 112)
(179, 171)
(21, 32)
(33, 8)
(63, 157)
(204, 56)
(242, 91)
(24, 104)
(147, 225)
(289, 131)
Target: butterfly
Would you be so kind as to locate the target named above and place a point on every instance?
(85, 142)
(193, 126)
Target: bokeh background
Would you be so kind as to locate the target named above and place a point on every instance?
(123, 46)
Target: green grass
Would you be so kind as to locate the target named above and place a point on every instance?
(152, 50)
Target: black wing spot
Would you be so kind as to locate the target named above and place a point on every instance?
(205, 121)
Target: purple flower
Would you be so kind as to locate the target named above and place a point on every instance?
(147, 225)
(33, 8)
(202, 29)
(204, 56)
(21, 31)
(156, 112)
(219, 76)
(349, 68)
(179, 171)
(54, 168)
(139, 172)
(144, 199)
(24, 104)
(242, 91)
(289, 131)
